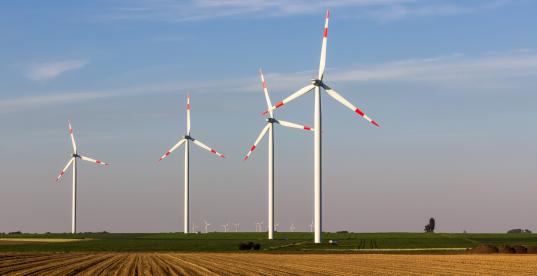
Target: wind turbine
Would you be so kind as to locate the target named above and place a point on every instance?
(73, 161)
(292, 228)
(236, 226)
(206, 226)
(186, 140)
(317, 84)
(225, 227)
(259, 226)
(311, 227)
(276, 225)
(269, 127)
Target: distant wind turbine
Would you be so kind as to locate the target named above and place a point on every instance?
(186, 140)
(206, 226)
(73, 161)
(270, 128)
(259, 226)
(317, 84)
(236, 226)
(292, 228)
(225, 227)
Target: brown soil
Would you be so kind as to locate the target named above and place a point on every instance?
(532, 249)
(263, 264)
(484, 249)
(506, 249)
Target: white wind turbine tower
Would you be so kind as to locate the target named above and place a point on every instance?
(311, 227)
(73, 161)
(317, 84)
(269, 127)
(237, 225)
(225, 227)
(186, 140)
(206, 226)
(292, 228)
(276, 225)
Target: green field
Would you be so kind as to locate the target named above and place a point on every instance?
(228, 242)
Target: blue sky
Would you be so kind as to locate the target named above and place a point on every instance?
(452, 84)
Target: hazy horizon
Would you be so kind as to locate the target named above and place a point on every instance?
(451, 83)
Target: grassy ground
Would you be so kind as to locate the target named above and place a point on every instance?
(227, 242)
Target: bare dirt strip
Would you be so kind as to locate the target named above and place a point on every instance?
(263, 264)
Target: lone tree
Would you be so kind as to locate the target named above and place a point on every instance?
(429, 228)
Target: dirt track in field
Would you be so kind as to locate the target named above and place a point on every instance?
(263, 264)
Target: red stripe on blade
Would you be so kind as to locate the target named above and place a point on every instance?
(98, 161)
(375, 123)
(325, 32)
(213, 151)
(279, 104)
(359, 112)
(307, 128)
(253, 148)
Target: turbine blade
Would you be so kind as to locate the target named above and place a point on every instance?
(172, 149)
(265, 90)
(188, 115)
(72, 136)
(65, 169)
(322, 63)
(202, 145)
(263, 131)
(293, 125)
(332, 93)
(293, 96)
(85, 158)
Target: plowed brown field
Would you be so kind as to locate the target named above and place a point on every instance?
(263, 264)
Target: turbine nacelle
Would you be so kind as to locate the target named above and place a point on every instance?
(188, 137)
(317, 82)
(271, 120)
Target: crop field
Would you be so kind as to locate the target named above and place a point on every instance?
(290, 253)
(228, 242)
(262, 264)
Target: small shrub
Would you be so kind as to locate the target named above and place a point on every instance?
(249, 246)
(519, 249)
(243, 246)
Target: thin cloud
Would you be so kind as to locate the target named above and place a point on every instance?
(398, 11)
(45, 71)
(382, 10)
(503, 71)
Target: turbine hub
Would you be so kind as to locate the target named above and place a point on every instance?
(188, 137)
(75, 155)
(271, 120)
(317, 82)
